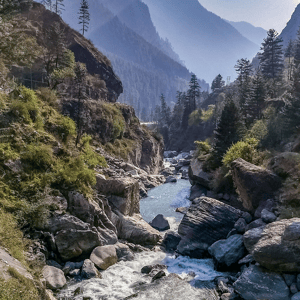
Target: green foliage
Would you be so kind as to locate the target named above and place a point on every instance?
(202, 149)
(48, 96)
(66, 128)
(195, 118)
(38, 157)
(91, 158)
(121, 148)
(66, 69)
(246, 150)
(7, 153)
(208, 114)
(258, 131)
(18, 287)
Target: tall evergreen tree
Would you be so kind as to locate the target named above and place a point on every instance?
(84, 16)
(48, 4)
(58, 6)
(271, 57)
(226, 132)
(289, 53)
(297, 49)
(193, 92)
(186, 112)
(217, 83)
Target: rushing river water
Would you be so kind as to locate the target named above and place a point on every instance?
(119, 281)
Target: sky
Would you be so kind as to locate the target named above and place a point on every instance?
(260, 13)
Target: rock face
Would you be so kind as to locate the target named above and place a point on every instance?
(256, 284)
(197, 175)
(228, 252)
(135, 230)
(276, 246)
(253, 183)
(104, 256)
(160, 223)
(55, 278)
(123, 193)
(206, 222)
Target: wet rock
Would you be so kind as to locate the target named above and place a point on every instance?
(55, 278)
(196, 192)
(228, 252)
(71, 266)
(289, 279)
(246, 260)
(75, 273)
(197, 175)
(240, 225)
(160, 223)
(153, 268)
(170, 154)
(73, 243)
(298, 281)
(171, 241)
(269, 205)
(207, 221)
(135, 230)
(276, 246)
(158, 275)
(254, 184)
(296, 296)
(123, 252)
(232, 232)
(182, 210)
(255, 224)
(230, 296)
(257, 284)
(104, 256)
(53, 263)
(171, 179)
(293, 288)
(89, 270)
(268, 217)
(247, 217)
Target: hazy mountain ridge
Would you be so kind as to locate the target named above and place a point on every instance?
(208, 44)
(252, 33)
(292, 27)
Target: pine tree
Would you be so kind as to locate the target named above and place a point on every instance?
(226, 132)
(271, 58)
(217, 83)
(186, 112)
(193, 92)
(48, 4)
(58, 6)
(297, 50)
(289, 53)
(84, 16)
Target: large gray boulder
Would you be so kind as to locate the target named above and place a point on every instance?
(207, 221)
(55, 278)
(72, 243)
(104, 256)
(228, 252)
(197, 175)
(123, 193)
(89, 270)
(276, 246)
(136, 230)
(257, 284)
(160, 223)
(254, 184)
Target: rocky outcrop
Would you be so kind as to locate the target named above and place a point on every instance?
(197, 175)
(135, 230)
(55, 278)
(207, 221)
(254, 184)
(257, 284)
(276, 246)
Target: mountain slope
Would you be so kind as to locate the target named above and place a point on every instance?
(206, 43)
(290, 31)
(252, 33)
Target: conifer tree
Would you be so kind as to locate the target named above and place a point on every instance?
(84, 16)
(186, 112)
(217, 83)
(226, 132)
(193, 92)
(271, 57)
(58, 6)
(289, 53)
(48, 4)
(297, 50)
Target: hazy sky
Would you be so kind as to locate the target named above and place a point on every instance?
(263, 13)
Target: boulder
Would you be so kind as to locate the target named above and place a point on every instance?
(71, 266)
(135, 230)
(267, 216)
(123, 193)
(196, 192)
(296, 296)
(276, 246)
(254, 184)
(247, 217)
(255, 224)
(269, 205)
(240, 225)
(55, 278)
(207, 221)
(171, 241)
(170, 154)
(104, 256)
(258, 284)
(160, 223)
(171, 179)
(293, 288)
(123, 252)
(228, 252)
(89, 270)
(72, 243)
(197, 175)
(289, 279)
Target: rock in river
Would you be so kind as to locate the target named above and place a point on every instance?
(160, 223)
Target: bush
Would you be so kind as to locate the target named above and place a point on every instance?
(38, 157)
(6, 153)
(48, 96)
(202, 149)
(195, 118)
(208, 114)
(258, 131)
(66, 128)
(246, 150)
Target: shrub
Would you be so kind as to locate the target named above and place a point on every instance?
(246, 150)
(258, 131)
(66, 128)
(195, 118)
(6, 153)
(202, 148)
(48, 96)
(208, 114)
(38, 157)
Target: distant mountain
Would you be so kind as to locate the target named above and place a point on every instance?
(206, 43)
(290, 31)
(252, 33)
